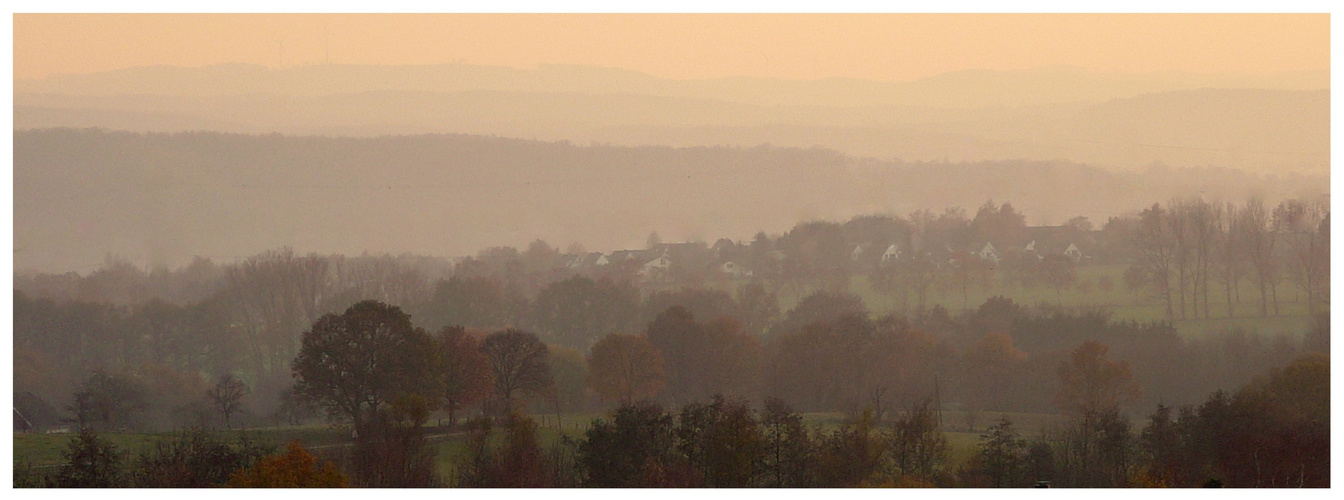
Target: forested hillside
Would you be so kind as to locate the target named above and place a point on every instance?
(160, 199)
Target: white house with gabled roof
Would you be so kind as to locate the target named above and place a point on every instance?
(988, 253)
(891, 254)
(1073, 252)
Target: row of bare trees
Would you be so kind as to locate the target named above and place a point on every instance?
(1191, 246)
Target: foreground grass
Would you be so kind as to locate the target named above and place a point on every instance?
(41, 450)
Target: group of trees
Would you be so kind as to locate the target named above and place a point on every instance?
(1180, 248)
(371, 367)
(720, 442)
(219, 345)
(245, 318)
(190, 459)
(1272, 433)
(145, 398)
(828, 353)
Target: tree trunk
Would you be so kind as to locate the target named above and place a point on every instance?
(1274, 291)
(557, 412)
(1166, 295)
(1180, 286)
(1264, 299)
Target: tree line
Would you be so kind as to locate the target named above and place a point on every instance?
(1181, 248)
(370, 367)
(708, 340)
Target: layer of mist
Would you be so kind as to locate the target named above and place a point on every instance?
(1270, 122)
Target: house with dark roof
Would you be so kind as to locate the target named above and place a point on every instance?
(1062, 240)
(587, 261)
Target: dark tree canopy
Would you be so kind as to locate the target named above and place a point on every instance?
(1090, 382)
(578, 311)
(625, 368)
(703, 303)
(108, 400)
(356, 363)
(519, 362)
(620, 453)
(472, 301)
(818, 307)
(704, 359)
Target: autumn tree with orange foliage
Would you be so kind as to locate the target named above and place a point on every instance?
(625, 368)
(295, 469)
(993, 365)
(1091, 383)
(465, 374)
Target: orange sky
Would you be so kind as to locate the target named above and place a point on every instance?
(891, 47)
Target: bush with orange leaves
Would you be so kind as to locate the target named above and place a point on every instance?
(295, 469)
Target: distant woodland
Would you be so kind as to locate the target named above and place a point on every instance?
(283, 338)
(161, 199)
(981, 279)
(1183, 260)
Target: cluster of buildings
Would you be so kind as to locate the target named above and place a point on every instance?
(732, 260)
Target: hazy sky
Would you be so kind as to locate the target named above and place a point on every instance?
(892, 47)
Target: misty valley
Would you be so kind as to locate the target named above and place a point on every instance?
(671, 251)
(944, 349)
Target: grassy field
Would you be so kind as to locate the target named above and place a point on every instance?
(45, 449)
(1124, 305)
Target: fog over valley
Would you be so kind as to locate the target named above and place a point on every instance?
(486, 156)
(671, 250)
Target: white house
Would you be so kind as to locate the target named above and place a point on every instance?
(1073, 252)
(595, 259)
(988, 253)
(734, 270)
(891, 254)
(656, 265)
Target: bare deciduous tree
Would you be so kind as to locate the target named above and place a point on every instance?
(227, 396)
(1305, 230)
(1256, 238)
(1155, 246)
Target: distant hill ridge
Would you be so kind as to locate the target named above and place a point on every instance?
(162, 198)
(1249, 129)
(962, 89)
